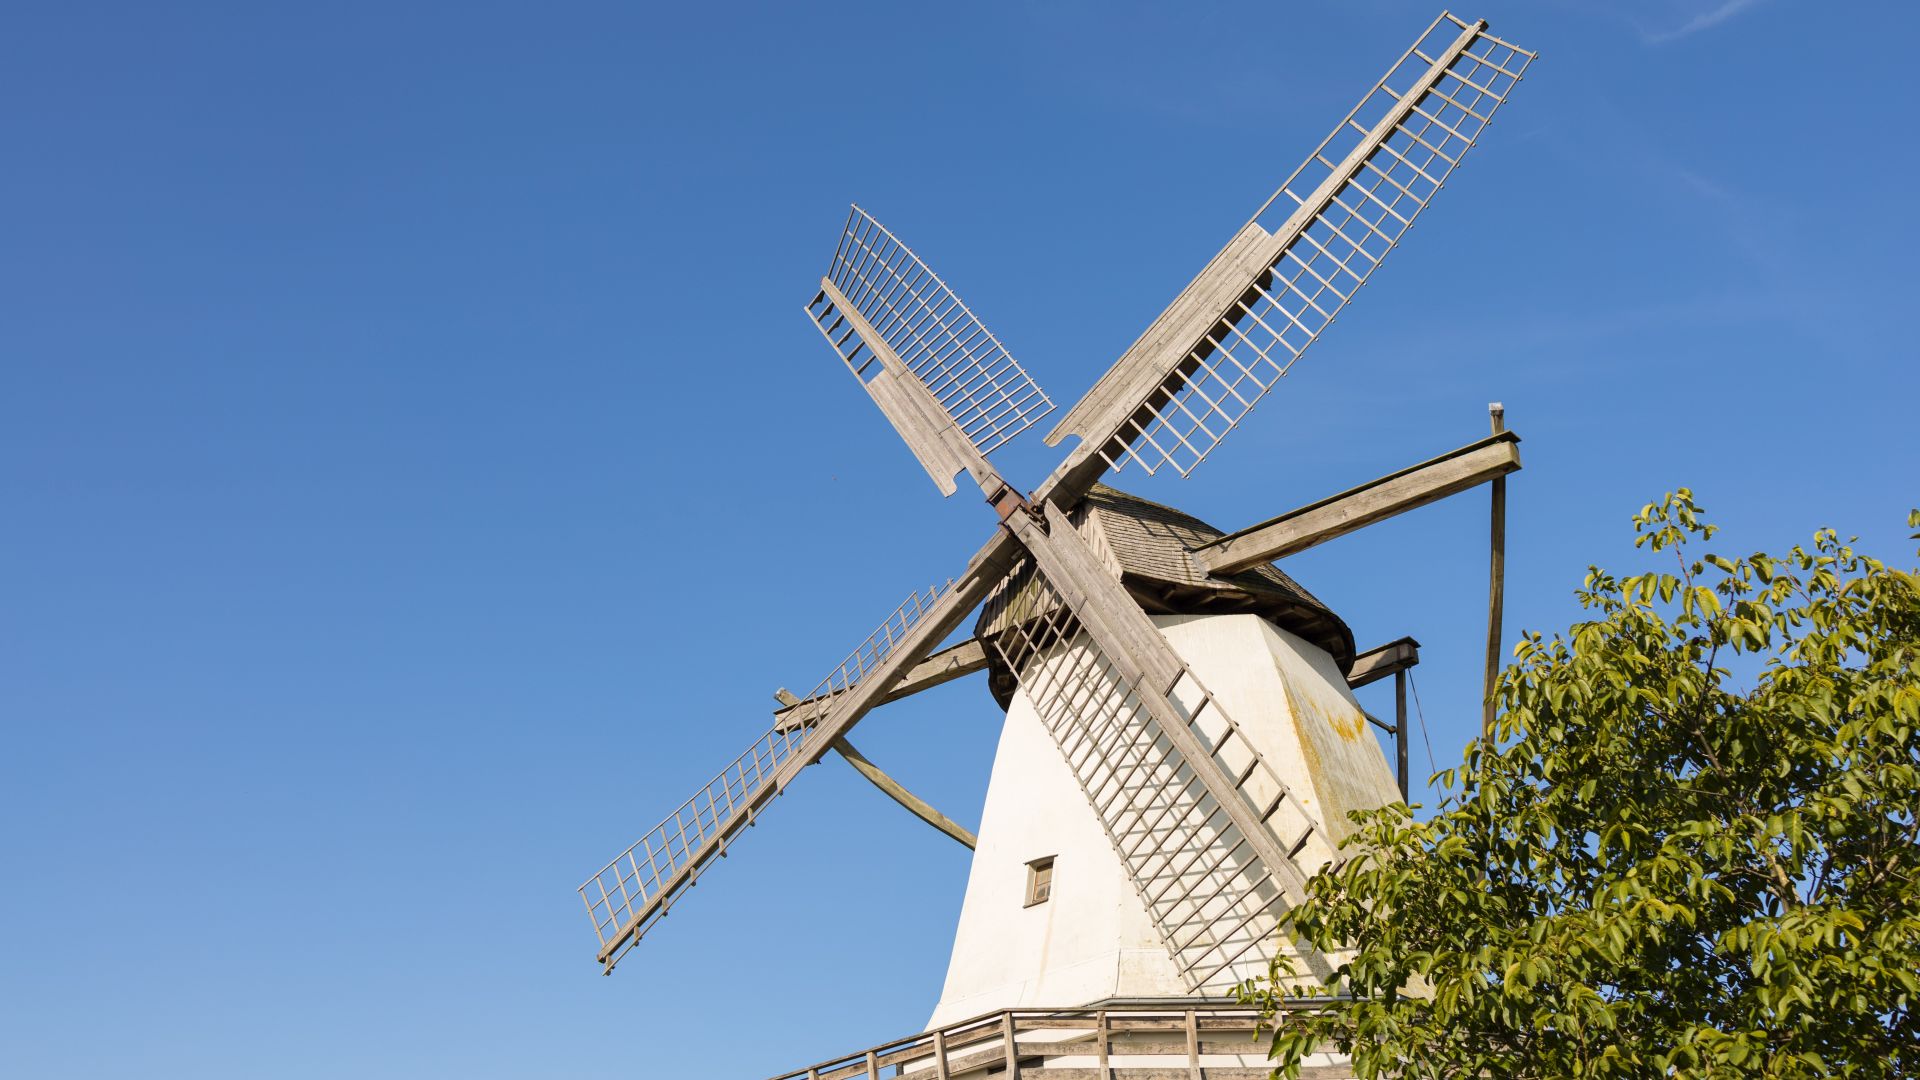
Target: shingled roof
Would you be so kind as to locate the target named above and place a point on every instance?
(1150, 547)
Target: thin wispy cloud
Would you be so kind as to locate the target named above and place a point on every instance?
(1706, 20)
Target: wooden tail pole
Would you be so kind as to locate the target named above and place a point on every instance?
(1400, 730)
(1496, 587)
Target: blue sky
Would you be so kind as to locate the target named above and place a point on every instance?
(418, 470)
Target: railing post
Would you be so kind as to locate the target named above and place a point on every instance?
(1100, 1035)
(873, 1066)
(1013, 1057)
(940, 1055)
(1193, 1045)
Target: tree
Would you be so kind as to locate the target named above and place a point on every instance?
(1657, 867)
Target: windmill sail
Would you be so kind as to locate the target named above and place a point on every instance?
(890, 317)
(1215, 900)
(1283, 279)
(637, 887)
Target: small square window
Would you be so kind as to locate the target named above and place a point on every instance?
(1039, 881)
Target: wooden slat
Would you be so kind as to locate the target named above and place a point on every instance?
(1377, 500)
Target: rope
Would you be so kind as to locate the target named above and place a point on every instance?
(1422, 714)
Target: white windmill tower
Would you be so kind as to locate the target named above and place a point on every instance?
(1181, 742)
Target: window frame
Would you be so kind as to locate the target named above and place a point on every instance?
(1035, 896)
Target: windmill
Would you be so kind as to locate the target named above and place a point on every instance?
(1180, 712)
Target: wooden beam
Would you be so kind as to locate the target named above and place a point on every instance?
(1378, 663)
(1378, 500)
(942, 667)
(1400, 731)
(1496, 579)
(920, 807)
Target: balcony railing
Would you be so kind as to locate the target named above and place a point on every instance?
(1202, 1038)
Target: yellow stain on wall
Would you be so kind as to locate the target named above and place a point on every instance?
(1346, 721)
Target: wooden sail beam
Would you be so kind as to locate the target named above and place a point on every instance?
(1338, 515)
(942, 667)
(964, 659)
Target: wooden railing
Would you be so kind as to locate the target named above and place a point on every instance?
(1206, 1035)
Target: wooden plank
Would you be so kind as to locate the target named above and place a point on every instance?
(1400, 730)
(1496, 579)
(918, 806)
(1377, 500)
(942, 667)
(1381, 661)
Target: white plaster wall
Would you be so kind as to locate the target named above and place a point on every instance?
(1294, 705)
(1093, 939)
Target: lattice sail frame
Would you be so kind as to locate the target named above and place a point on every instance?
(635, 888)
(986, 393)
(1216, 906)
(1347, 205)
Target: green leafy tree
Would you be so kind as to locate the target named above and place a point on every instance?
(1688, 850)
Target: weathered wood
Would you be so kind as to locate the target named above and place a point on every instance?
(1384, 660)
(1193, 1047)
(1400, 731)
(1156, 365)
(1144, 367)
(942, 667)
(1377, 500)
(1013, 1051)
(936, 441)
(987, 568)
(1496, 579)
(1102, 1036)
(1216, 1027)
(914, 803)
